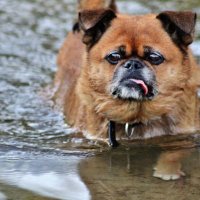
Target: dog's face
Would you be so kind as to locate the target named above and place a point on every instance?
(137, 58)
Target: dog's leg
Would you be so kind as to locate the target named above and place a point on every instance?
(168, 166)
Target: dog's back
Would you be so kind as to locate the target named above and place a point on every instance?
(96, 4)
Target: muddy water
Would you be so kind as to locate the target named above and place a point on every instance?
(39, 157)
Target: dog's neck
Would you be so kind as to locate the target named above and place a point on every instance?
(129, 129)
(165, 125)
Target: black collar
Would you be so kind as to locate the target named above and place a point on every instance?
(112, 136)
(129, 128)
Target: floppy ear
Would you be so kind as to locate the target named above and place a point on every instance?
(179, 25)
(94, 23)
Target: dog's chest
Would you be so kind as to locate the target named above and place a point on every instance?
(150, 129)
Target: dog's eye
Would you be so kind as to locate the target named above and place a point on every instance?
(113, 57)
(155, 58)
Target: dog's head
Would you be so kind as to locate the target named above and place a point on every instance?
(137, 58)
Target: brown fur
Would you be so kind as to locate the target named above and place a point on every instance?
(83, 79)
(96, 4)
(69, 57)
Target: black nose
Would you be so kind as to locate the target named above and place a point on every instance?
(133, 64)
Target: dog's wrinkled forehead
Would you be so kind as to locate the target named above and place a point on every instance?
(137, 28)
(134, 34)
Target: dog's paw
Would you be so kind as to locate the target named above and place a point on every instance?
(167, 176)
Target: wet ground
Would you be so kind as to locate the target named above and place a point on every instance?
(39, 157)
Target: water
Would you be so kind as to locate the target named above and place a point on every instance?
(39, 157)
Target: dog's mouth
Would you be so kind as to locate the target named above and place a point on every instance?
(134, 89)
(141, 84)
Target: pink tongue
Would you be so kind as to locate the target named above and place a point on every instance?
(142, 84)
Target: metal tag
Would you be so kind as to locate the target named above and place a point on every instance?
(129, 129)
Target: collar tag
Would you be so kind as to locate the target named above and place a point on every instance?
(129, 130)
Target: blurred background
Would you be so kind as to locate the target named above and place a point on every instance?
(39, 158)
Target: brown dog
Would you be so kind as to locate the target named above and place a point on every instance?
(135, 71)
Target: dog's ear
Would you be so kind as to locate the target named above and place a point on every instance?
(94, 23)
(179, 25)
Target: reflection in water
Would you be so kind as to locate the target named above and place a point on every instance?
(2, 196)
(51, 176)
(128, 175)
